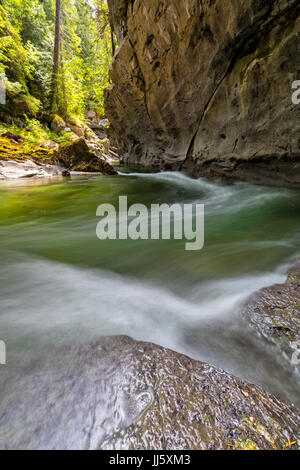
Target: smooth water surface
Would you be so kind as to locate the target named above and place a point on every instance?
(60, 284)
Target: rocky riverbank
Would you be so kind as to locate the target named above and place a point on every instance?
(275, 314)
(123, 394)
(207, 87)
(21, 159)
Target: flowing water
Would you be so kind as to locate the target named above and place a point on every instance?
(60, 285)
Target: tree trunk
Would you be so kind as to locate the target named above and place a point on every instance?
(56, 54)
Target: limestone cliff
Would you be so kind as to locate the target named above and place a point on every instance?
(205, 85)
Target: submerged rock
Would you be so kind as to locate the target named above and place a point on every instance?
(123, 394)
(77, 156)
(275, 313)
(207, 87)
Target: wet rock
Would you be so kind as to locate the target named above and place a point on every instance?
(77, 156)
(275, 313)
(66, 174)
(206, 87)
(122, 394)
(58, 125)
(28, 169)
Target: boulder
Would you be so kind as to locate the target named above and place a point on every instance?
(58, 125)
(118, 393)
(79, 131)
(90, 114)
(77, 156)
(99, 126)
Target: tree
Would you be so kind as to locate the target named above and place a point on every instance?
(66, 51)
(105, 21)
(56, 54)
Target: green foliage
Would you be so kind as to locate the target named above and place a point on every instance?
(16, 66)
(35, 132)
(9, 128)
(26, 55)
(94, 32)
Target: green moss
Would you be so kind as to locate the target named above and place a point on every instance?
(77, 156)
(21, 152)
(56, 118)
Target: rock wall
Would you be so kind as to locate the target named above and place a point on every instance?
(205, 85)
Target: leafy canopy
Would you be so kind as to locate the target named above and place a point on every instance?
(26, 56)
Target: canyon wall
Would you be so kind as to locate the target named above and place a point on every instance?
(206, 86)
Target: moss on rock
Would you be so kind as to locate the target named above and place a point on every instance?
(10, 149)
(77, 156)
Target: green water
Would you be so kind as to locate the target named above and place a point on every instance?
(60, 284)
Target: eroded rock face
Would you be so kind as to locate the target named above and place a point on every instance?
(123, 394)
(206, 87)
(275, 314)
